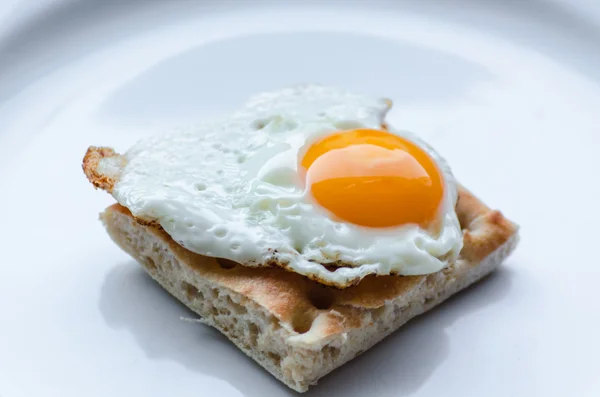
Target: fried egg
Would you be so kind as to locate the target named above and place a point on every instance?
(309, 178)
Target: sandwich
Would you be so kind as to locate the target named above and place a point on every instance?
(303, 226)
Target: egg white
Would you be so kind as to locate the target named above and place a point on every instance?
(229, 188)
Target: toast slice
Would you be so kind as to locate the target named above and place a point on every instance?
(298, 329)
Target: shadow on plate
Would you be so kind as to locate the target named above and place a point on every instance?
(398, 366)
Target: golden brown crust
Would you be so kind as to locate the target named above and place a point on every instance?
(290, 297)
(300, 300)
(484, 230)
(91, 165)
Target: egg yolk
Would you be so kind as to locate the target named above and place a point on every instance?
(373, 178)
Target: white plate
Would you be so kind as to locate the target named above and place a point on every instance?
(507, 91)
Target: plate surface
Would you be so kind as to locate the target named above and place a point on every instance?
(508, 92)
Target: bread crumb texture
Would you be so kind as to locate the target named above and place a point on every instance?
(296, 328)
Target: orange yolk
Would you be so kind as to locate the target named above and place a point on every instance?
(374, 178)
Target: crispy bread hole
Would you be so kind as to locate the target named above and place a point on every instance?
(302, 321)
(149, 262)
(321, 297)
(224, 311)
(330, 353)
(253, 331)
(275, 358)
(191, 292)
(226, 263)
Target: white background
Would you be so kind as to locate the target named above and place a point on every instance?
(507, 91)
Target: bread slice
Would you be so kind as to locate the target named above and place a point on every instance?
(298, 329)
